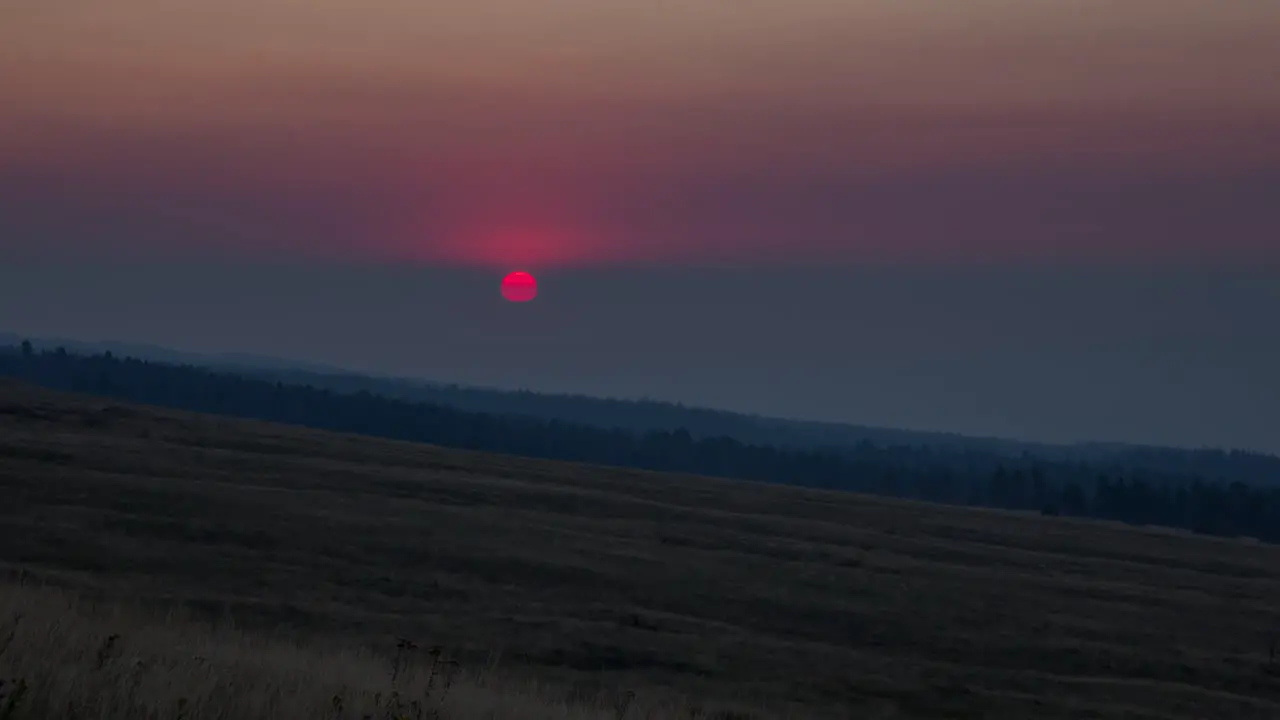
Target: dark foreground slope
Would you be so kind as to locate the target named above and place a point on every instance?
(761, 592)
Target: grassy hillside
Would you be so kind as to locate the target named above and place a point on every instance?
(61, 657)
(606, 578)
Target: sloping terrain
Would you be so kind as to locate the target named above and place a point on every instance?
(62, 657)
(765, 593)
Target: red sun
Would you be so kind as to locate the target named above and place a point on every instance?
(519, 287)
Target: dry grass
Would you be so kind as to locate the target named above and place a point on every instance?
(63, 657)
(600, 579)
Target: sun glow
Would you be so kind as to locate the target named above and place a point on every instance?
(519, 287)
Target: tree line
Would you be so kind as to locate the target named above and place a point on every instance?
(1154, 493)
(644, 415)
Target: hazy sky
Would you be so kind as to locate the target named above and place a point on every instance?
(547, 132)
(612, 147)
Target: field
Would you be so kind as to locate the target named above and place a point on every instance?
(595, 581)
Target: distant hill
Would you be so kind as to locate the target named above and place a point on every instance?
(628, 414)
(144, 351)
(1214, 493)
(641, 416)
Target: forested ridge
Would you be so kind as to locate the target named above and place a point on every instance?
(1157, 487)
(643, 415)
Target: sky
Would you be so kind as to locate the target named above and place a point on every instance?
(843, 209)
